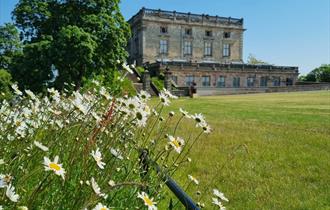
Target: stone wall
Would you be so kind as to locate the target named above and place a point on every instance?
(204, 91)
(144, 45)
(229, 72)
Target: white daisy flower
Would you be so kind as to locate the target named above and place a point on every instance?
(105, 93)
(155, 112)
(200, 120)
(1, 208)
(206, 128)
(177, 143)
(141, 117)
(111, 183)
(219, 194)
(184, 113)
(218, 203)
(144, 95)
(127, 68)
(132, 103)
(193, 179)
(97, 189)
(78, 103)
(164, 99)
(147, 201)
(10, 193)
(5, 180)
(41, 146)
(98, 158)
(132, 65)
(169, 94)
(17, 91)
(2, 161)
(54, 166)
(171, 113)
(3, 183)
(31, 94)
(116, 153)
(100, 206)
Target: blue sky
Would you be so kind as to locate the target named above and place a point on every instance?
(281, 32)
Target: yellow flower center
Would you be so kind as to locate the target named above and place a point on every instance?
(103, 208)
(176, 143)
(54, 166)
(148, 201)
(18, 123)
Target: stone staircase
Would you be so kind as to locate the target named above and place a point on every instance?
(138, 82)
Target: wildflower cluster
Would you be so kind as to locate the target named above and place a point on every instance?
(84, 150)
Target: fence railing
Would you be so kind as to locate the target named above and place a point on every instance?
(182, 196)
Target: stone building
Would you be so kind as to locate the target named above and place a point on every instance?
(204, 49)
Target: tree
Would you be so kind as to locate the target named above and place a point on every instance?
(10, 44)
(73, 52)
(323, 73)
(320, 74)
(32, 69)
(253, 60)
(80, 39)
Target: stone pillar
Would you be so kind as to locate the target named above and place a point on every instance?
(146, 81)
(168, 80)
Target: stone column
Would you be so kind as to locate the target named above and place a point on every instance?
(146, 81)
(168, 80)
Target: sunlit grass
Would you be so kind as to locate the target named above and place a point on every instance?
(267, 151)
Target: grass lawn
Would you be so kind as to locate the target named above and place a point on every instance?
(267, 151)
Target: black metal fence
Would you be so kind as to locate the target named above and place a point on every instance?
(182, 196)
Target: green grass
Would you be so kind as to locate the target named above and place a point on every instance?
(267, 151)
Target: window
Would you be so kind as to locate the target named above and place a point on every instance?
(206, 81)
(221, 81)
(226, 50)
(226, 35)
(163, 46)
(289, 81)
(236, 82)
(189, 80)
(207, 49)
(136, 45)
(276, 81)
(188, 31)
(187, 48)
(163, 30)
(175, 79)
(263, 81)
(208, 33)
(250, 81)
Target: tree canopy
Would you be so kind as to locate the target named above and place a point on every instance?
(9, 44)
(78, 39)
(253, 60)
(320, 74)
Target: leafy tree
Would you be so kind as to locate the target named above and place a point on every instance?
(253, 60)
(320, 74)
(32, 69)
(73, 51)
(80, 39)
(311, 77)
(9, 44)
(323, 73)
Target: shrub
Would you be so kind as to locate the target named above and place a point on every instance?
(158, 83)
(5, 82)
